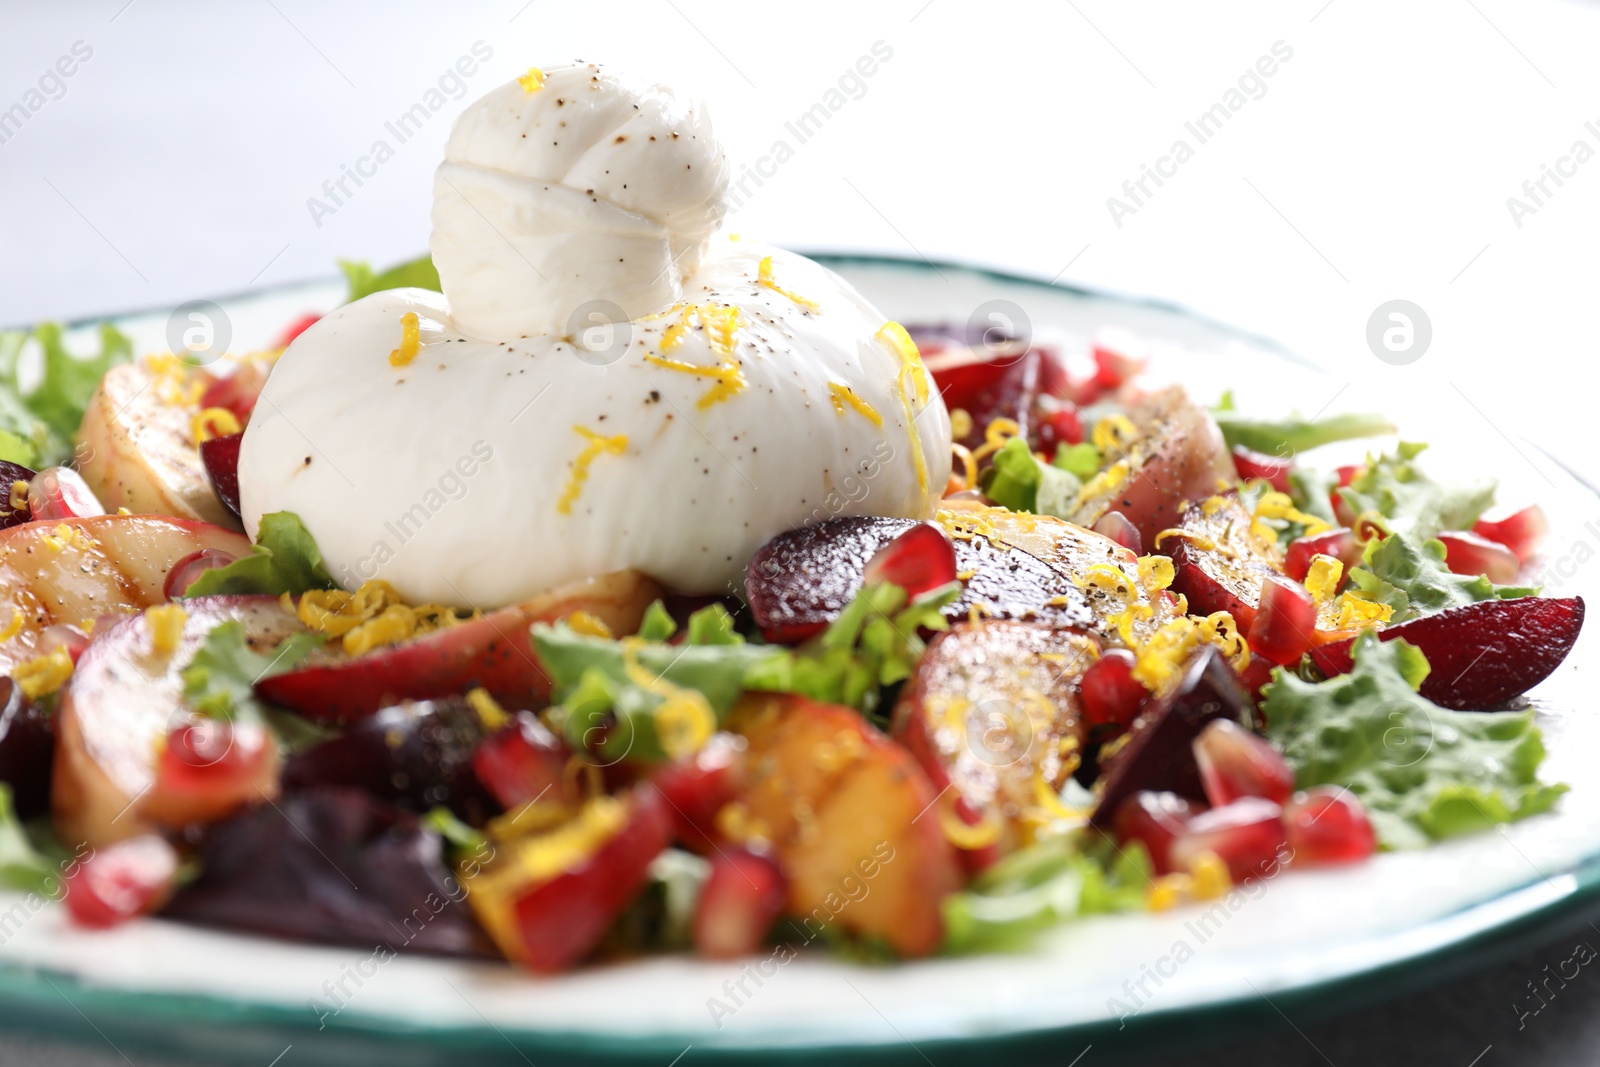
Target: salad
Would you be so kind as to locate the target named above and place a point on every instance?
(601, 584)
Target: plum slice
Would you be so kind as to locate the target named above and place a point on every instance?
(221, 458)
(27, 749)
(1482, 654)
(1178, 455)
(1220, 564)
(492, 651)
(1013, 566)
(331, 865)
(415, 755)
(992, 711)
(1158, 755)
(10, 475)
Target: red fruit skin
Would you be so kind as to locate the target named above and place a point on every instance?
(1328, 825)
(238, 392)
(1108, 693)
(494, 652)
(1285, 623)
(1468, 553)
(741, 899)
(190, 567)
(1482, 654)
(1159, 753)
(1256, 674)
(295, 329)
(695, 789)
(918, 560)
(1236, 763)
(1339, 542)
(1247, 835)
(121, 881)
(524, 763)
(1154, 820)
(1522, 532)
(560, 921)
(221, 458)
(988, 389)
(1252, 465)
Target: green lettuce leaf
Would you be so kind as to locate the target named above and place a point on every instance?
(874, 643)
(284, 559)
(1288, 437)
(413, 274)
(593, 686)
(1081, 460)
(1038, 886)
(1410, 576)
(1423, 772)
(1411, 502)
(22, 866)
(1017, 480)
(40, 423)
(219, 682)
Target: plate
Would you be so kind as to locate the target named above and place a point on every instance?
(1302, 942)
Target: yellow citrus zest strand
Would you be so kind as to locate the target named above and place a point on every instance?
(597, 444)
(845, 397)
(764, 280)
(410, 340)
(213, 422)
(532, 81)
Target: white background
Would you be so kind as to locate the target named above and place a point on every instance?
(1376, 166)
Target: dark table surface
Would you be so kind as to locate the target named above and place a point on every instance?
(1484, 1018)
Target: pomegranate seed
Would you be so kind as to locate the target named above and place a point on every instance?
(238, 392)
(1115, 525)
(1285, 620)
(1350, 473)
(1057, 427)
(295, 329)
(186, 570)
(60, 635)
(1236, 763)
(1340, 542)
(918, 560)
(211, 757)
(738, 904)
(1247, 835)
(1055, 380)
(221, 458)
(61, 493)
(1154, 820)
(1251, 465)
(1108, 692)
(1521, 532)
(1328, 825)
(523, 762)
(123, 880)
(698, 787)
(1255, 676)
(1469, 553)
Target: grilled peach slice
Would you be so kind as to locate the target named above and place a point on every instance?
(1177, 455)
(76, 570)
(122, 701)
(137, 450)
(992, 712)
(850, 816)
(494, 652)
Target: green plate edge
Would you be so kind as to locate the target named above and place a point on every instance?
(183, 1025)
